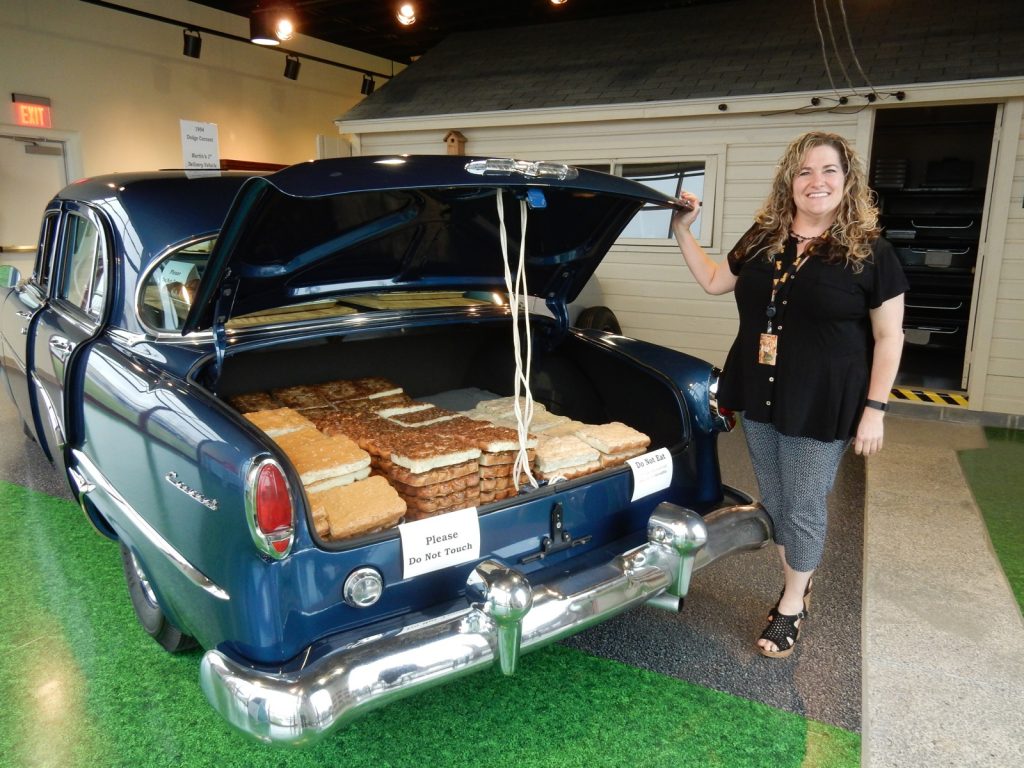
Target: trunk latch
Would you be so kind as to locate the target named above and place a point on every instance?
(558, 539)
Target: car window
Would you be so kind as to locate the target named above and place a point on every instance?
(85, 266)
(41, 271)
(166, 295)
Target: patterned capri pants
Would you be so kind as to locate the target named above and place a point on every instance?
(795, 476)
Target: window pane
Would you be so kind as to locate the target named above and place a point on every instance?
(669, 178)
(166, 296)
(83, 276)
(42, 268)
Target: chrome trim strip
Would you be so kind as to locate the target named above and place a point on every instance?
(88, 470)
(506, 616)
(721, 421)
(51, 413)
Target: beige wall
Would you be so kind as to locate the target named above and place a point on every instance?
(120, 83)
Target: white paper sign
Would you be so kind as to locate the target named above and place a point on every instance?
(200, 147)
(652, 472)
(438, 542)
(175, 271)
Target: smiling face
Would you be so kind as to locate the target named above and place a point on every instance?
(818, 188)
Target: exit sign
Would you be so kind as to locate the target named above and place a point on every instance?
(31, 111)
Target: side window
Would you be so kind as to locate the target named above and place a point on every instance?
(166, 294)
(696, 173)
(671, 178)
(85, 266)
(44, 256)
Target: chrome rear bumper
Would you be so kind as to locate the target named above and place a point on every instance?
(505, 616)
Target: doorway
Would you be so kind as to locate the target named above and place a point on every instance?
(930, 168)
(32, 170)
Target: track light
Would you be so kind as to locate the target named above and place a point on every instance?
(406, 14)
(193, 43)
(368, 85)
(270, 27)
(291, 67)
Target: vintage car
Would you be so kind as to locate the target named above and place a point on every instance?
(164, 306)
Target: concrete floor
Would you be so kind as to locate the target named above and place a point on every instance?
(943, 636)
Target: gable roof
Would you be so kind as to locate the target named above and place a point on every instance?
(740, 48)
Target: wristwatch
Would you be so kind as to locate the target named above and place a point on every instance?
(876, 404)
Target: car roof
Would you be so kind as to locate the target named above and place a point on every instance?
(153, 210)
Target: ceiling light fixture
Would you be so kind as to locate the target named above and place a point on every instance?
(368, 85)
(406, 14)
(261, 29)
(209, 31)
(270, 26)
(292, 65)
(192, 45)
(558, 2)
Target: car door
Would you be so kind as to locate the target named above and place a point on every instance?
(17, 318)
(78, 300)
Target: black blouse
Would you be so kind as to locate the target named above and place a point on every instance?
(820, 379)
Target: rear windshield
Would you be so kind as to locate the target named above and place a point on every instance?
(166, 297)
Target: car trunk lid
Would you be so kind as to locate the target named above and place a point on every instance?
(326, 228)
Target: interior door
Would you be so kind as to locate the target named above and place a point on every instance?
(72, 316)
(32, 170)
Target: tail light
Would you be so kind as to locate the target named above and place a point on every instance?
(268, 506)
(722, 418)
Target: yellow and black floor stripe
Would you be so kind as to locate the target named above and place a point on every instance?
(931, 396)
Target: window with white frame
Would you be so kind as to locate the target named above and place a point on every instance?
(670, 177)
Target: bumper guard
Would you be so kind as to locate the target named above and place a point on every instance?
(506, 616)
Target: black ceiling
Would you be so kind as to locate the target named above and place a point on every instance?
(371, 26)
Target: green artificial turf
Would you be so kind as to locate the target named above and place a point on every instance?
(82, 685)
(995, 476)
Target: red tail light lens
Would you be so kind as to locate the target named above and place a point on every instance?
(269, 507)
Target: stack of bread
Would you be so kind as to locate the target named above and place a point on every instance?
(333, 469)
(616, 441)
(501, 411)
(421, 459)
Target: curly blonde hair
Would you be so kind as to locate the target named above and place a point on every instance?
(849, 238)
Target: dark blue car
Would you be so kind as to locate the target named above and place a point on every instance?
(158, 299)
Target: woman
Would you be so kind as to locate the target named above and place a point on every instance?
(820, 299)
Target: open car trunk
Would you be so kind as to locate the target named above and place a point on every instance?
(579, 378)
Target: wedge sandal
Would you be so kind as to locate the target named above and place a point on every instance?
(782, 632)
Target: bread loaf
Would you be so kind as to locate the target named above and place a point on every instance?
(361, 507)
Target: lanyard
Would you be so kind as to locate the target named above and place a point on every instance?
(781, 279)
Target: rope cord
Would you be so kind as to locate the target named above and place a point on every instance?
(518, 297)
(824, 53)
(853, 51)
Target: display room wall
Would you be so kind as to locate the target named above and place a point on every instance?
(119, 84)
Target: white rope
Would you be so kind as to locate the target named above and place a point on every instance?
(518, 296)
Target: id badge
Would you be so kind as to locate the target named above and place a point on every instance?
(768, 349)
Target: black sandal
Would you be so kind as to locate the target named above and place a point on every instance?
(783, 632)
(807, 600)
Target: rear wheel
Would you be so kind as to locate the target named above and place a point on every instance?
(147, 609)
(599, 318)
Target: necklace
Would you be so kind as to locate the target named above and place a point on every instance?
(803, 238)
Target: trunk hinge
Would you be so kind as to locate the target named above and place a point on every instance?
(221, 313)
(557, 305)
